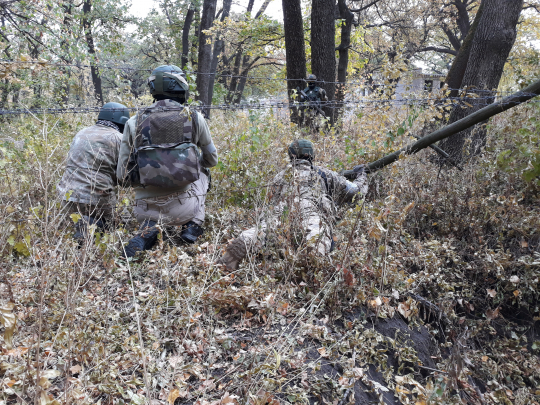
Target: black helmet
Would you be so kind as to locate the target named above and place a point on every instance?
(114, 112)
(301, 149)
(311, 79)
(169, 81)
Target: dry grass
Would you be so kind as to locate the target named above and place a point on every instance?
(173, 326)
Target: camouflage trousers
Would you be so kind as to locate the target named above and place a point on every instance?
(175, 209)
(317, 231)
(101, 210)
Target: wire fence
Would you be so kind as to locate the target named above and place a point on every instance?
(249, 77)
(466, 102)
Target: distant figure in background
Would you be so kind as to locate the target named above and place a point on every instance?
(160, 157)
(312, 95)
(304, 191)
(88, 184)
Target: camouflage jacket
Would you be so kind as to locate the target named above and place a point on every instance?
(91, 166)
(314, 187)
(200, 137)
(315, 94)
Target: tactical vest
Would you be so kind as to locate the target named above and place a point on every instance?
(163, 152)
(313, 94)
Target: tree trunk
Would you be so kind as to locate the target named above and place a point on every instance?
(323, 49)
(205, 52)
(491, 45)
(96, 78)
(185, 34)
(218, 49)
(459, 65)
(346, 27)
(295, 56)
(195, 40)
(242, 63)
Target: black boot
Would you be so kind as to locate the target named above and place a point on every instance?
(191, 232)
(81, 227)
(143, 241)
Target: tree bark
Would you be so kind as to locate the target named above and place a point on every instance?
(323, 45)
(459, 65)
(347, 18)
(295, 56)
(185, 34)
(87, 24)
(219, 45)
(491, 45)
(205, 51)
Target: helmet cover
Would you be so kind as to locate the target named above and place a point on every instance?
(301, 149)
(311, 78)
(169, 81)
(114, 112)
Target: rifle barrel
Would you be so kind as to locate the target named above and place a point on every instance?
(483, 114)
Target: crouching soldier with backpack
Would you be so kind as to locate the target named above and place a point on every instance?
(160, 157)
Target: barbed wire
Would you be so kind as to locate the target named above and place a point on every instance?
(266, 78)
(358, 103)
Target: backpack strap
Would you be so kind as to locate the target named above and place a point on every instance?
(324, 177)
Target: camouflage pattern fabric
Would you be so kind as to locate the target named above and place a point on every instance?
(200, 137)
(311, 193)
(168, 166)
(315, 94)
(90, 173)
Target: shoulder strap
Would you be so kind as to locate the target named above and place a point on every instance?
(323, 176)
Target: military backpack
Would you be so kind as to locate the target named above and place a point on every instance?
(164, 154)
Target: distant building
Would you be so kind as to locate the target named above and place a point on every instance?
(415, 82)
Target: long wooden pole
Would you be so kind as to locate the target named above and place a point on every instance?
(527, 93)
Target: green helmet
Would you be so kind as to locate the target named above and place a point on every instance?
(169, 81)
(301, 149)
(114, 112)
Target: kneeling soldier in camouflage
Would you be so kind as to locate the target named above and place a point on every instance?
(307, 191)
(88, 184)
(160, 157)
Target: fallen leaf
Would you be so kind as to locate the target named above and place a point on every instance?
(404, 309)
(485, 358)
(175, 393)
(491, 293)
(514, 279)
(492, 314)
(75, 369)
(9, 321)
(524, 244)
(322, 351)
(516, 293)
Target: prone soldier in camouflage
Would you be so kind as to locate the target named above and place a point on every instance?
(160, 157)
(89, 181)
(301, 190)
(313, 95)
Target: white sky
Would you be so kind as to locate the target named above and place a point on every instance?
(140, 8)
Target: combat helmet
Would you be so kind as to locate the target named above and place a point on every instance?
(301, 149)
(168, 81)
(311, 79)
(114, 112)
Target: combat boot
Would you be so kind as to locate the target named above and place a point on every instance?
(143, 241)
(191, 232)
(234, 254)
(81, 227)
